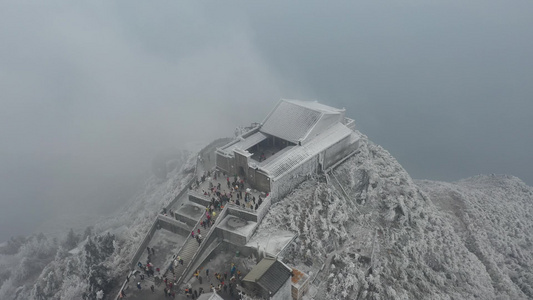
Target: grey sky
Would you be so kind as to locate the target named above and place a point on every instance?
(91, 92)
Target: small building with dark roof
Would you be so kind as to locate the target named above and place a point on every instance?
(269, 279)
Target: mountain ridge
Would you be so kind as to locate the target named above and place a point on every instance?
(414, 250)
(366, 229)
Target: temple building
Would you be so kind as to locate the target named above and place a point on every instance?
(296, 139)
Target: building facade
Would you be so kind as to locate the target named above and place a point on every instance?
(296, 139)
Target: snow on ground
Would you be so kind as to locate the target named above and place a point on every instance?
(129, 226)
(495, 215)
(272, 241)
(365, 231)
(221, 263)
(375, 234)
(237, 225)
(165, 244)
(140, 214)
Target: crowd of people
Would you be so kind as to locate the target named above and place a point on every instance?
(236, 192)
(145, 271)
(225, 281)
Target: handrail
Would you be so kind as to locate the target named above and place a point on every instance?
(346, 197)
(182, 192)
(140, 247)
(341, 161)
(132, 262)
(185, 243)
(209, 233)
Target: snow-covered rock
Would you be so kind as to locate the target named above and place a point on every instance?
(365, 231)
(370, 232)
(41, 269)
(494, 216)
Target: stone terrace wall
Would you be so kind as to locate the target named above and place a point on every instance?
(263, 209)
(287, 183)
(231, 236)
(173, 225)
(338, 151)
(133, 263)
(144, 244)
(198, 198)
(182, 192)
(249, 214)
(243, 213)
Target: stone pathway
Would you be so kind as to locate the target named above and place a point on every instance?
(190, 247)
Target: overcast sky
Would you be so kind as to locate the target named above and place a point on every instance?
(91, 92)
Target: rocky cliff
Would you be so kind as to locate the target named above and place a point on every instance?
(368, 231)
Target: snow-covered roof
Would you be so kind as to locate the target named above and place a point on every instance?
(295, 120)
(314, 105)
(210, 296)
(245, 143)
(292, 156)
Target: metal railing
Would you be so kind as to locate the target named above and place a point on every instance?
(219, 217)
(152, 229)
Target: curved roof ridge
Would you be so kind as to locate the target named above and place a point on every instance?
(315, 105)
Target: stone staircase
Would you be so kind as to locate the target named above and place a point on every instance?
(191, 246)
(188, 224)
(186, 253)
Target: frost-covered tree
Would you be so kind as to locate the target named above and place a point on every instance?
(100, 295)
(98, 280)
(13, 245)
(71, 240)
(47, 270)
(88, 232)
(106, 244)
(368, 231)
(52, 284)
(37, 292)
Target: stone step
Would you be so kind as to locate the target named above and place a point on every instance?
(188, 250)
(186, 253)
(191, 246)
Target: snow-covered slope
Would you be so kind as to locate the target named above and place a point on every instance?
(40, 267)
(368, 231)
(494, 216)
